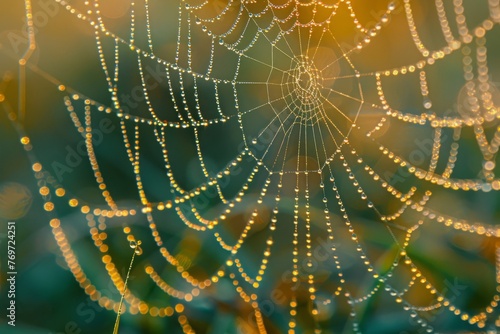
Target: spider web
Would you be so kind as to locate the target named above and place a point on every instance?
(303, 132)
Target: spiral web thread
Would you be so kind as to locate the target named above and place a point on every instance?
(299, 126)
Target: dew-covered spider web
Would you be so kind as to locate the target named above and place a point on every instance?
(317, 157)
